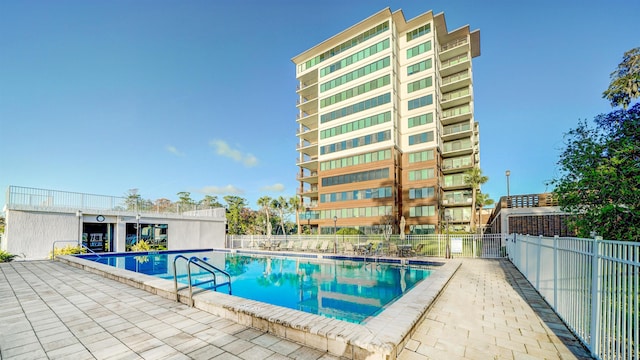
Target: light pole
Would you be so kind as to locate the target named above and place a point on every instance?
(137, 228)
(507, 173)
(448, 246)
(335, 234)
(309, 220)
(79, 215)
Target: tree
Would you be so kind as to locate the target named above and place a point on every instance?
(282, 207)
(482, 200)
(625, 80)
(600, 176)
(296, 206)
(235, 206)
(475, 179)
(265, 204)
(133, 199)
(210, 202)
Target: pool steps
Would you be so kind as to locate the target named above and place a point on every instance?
(203, 265)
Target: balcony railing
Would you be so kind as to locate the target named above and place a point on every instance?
(455, 77)
(455, 60)
(460, 110)
(452, 44)
(44, 199)
(455, 94)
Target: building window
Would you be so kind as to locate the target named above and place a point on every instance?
(421, 156)
(418, 211)
(420, 84)
(376, 193)
(365, 70)
(421, 138)
(380, 155)
(357, 142)
(420, 102)
(356, 177)
(346, 45)
(417, 50)
(421, 120)
(422, 30)
(421, 193)
(422, 229)
(356, 108)
(421, 66)
(358, 90)
(423, 174)
(359, 56)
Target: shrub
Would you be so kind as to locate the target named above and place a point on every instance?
(6, 257)
(68, 250)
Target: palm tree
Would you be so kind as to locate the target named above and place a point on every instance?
(296, 205)
(475, 179)
(281, 206)
(482, 200)
(265, 204)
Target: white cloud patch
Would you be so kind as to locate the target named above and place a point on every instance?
(273, 188)
(223, 149)
(221, 190)
(172, 149)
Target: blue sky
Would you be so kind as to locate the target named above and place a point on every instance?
(168, 96)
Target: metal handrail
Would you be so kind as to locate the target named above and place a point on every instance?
(53, 248)
(202, 264)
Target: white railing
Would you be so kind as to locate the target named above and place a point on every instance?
(593, 285)
(45, 199)
(467, 246)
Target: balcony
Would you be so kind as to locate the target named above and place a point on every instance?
(309, 163)
(456, 115)
(308, 91)
(457, 131)
(451, 165)
(311, 192)
(455, 81)
(308, 120)
(454, 48)
(455, 98)
(309, 106)
(307, 148)
(455, 64)
(309, 177)
(457, 148)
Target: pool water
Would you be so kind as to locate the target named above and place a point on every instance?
(347, 290)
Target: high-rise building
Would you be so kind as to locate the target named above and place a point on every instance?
(386, 128)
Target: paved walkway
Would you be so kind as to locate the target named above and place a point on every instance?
(490, 311)
(50, 310)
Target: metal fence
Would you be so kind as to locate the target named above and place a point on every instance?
(593, 285)
(485, 246)
(64, 200)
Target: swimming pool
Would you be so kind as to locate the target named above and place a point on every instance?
(339, 288)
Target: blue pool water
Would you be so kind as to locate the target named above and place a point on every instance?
(344, 289)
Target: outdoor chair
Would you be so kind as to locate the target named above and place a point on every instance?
(325, 246)
(313, 245)
(393, 250)
(290, 245)
(348, 249)
(304, 245)
(418, 250)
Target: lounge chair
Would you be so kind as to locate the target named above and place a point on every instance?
(313, 246)
(304, 245)
(325, 246)
(348, 249)
(290, 245)
(393, 250)
(418, 250)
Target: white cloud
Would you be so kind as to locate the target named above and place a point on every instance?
(223, 149)
(172, 149)
(273, 188)
(221, 190)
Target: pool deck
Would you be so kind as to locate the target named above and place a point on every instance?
(53, 310)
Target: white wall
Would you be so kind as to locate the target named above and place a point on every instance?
(30, 235)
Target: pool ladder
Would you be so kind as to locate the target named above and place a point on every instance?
(203, 265)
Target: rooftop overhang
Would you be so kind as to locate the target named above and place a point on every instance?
(444, 36)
